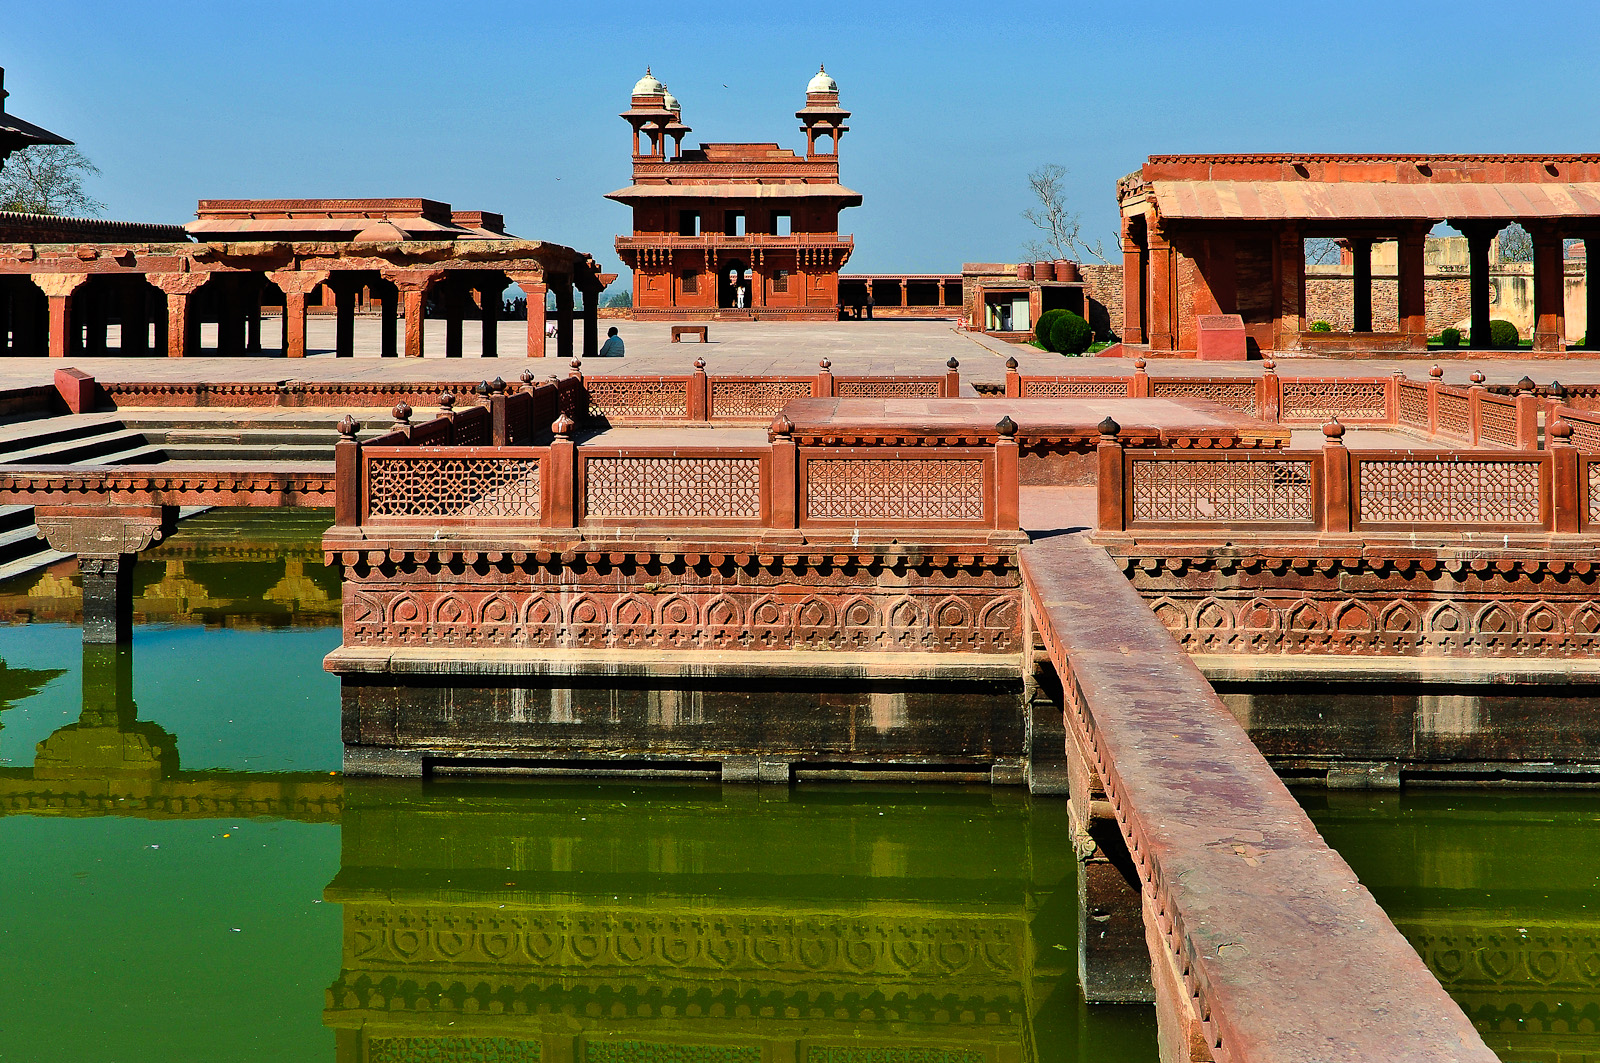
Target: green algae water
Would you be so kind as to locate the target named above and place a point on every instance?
(185, 876)
(1499, 893)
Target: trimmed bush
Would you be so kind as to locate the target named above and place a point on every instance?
(1319, 326)
(1450, 337)
(1042, 327)
(1503, 333)
(1070, 334)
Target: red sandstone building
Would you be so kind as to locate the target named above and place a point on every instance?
(741, 231)
(1209, 235)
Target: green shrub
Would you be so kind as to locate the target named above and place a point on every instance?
(1070, 334)
(1320, 326)
(1450, 337)
(1503, 333)
(1041, 327)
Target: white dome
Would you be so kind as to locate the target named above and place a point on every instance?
(822, 82)
(648, 85)
(671, 102)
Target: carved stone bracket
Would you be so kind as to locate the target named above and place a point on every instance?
(102, 531)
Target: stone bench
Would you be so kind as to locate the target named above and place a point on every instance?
(680, 331)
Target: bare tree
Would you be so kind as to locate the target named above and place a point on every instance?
(1321, 251)
(1060, 227)
(48, 179)
(1515, 244)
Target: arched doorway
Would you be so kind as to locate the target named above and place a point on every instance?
(734, 286)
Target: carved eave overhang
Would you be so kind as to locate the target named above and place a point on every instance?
(1133, 191)
(1534, 560)
(799, 555)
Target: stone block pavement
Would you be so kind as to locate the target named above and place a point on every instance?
(912, 347)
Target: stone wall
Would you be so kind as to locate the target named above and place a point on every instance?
(1104, 289)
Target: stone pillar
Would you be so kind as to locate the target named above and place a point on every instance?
(296, 285)
(1163, 333)
(490, 294)
(450, 297)
(591, 320)
(107, 539)
(96, 321)
(58, 289)
(1133, 288)
(1413, 301)
(413, 287)
(563, 287)
(533, 287)
(1549, 289)
(251, 291)
(1591, 277)
(183, 325)
(230, 315)
(1290, 258)
(1478, 237)
(1361, 276)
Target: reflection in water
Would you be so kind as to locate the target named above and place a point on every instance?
(1500, 895)
(573, 921)
(606, 922)
(224, 568)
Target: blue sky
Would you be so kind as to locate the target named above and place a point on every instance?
(512, 107)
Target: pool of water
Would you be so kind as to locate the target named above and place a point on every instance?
(187, 877)
(1499, 892)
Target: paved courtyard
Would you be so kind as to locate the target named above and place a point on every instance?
(915, 347)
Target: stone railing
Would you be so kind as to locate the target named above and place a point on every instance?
(440, 474)
(1336, 490)
(1473, 415)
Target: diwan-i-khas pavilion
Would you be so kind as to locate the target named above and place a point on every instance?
(1206, 235)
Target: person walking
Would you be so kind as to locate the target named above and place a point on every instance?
(612, 347)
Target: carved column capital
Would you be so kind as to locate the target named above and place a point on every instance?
(298, 281)
(59, 285)
(102, 531)
(178, 283)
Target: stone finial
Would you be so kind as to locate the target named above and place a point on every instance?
(1005, 426)
(1477, 377)
(782, 427)
(447, 401)
(576, 365)
(1560, 432)
(952, 363)
(482, 388)
(527, 378)
(1269, 366)
(1526, 384)
(825, 364)
(497, 386)
(348, 426)
(402, 414)
(562, 428)
(1109, 428)
(1139, 363)
(1556, 390)
(1435, 372)
(1333, 430)
(1011, 364)
(699, 365)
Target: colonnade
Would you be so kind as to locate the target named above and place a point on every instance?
(69, 314)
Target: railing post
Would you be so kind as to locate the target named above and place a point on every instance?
(1013, 380)
(1434, 375)
(1139, 386)
(1568, 500)
(1527, 415)
(785, 474)
(951, 388)
(1007, 487)
(447, 410)
(1391, 396)
(558, 477)
(1111, 457)
(347, 503)
(1336, 508)
(1475, 409)
(402, 417)
(499, 430)
(697, 403)
(1271, 397)
(822, 388)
